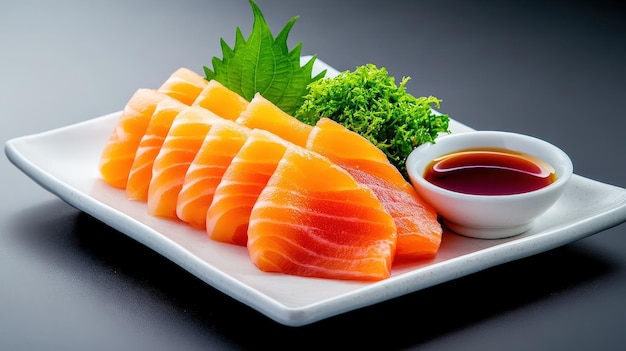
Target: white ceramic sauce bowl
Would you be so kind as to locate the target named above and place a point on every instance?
(489, 216)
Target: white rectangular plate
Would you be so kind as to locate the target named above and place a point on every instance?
(65, 162)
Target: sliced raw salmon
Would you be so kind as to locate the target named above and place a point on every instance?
(141, 171)
(180, 147)
(118, 154)
(221, 100)
(263, 114)
(219, 147)
(340, 144)
(419, 232)
(242, 182)
(183, 85)
(313, 219)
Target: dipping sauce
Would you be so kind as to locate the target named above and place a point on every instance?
(489, 172)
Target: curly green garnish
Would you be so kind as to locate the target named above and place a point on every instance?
(368, 102)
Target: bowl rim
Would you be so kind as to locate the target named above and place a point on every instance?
(417, 175)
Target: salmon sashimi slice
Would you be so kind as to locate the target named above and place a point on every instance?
(179, 148)
(419, 232)
(242, 182)
(221, 100)
(263, 114)
(313, 219)
(219, 147)
(141, 171)
(118, 154)
(342, 145)
(184, 85)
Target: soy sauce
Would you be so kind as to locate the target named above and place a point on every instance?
(489, 172)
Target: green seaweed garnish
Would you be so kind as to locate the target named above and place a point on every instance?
(368, 102)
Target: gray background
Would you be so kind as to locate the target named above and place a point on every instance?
(552, 69)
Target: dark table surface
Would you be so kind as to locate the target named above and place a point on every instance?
(552, 69)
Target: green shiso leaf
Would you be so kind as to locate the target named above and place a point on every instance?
(368, 102)
(265, 65)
